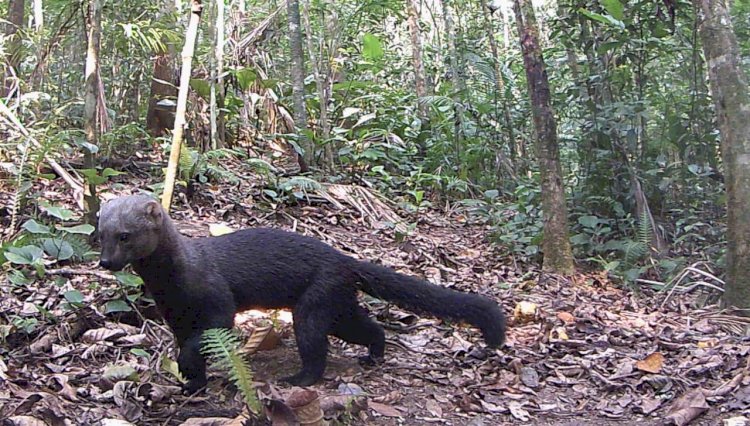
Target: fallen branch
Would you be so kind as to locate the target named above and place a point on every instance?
(74, 184)
(69, 272)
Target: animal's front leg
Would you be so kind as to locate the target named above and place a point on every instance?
(192, 363)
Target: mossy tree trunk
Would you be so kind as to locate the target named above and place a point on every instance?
(558, 256)
(729, 90)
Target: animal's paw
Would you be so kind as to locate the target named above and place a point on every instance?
(193, 386)
(300, 379)
(370, 361)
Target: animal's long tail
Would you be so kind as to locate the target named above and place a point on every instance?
(417, 295)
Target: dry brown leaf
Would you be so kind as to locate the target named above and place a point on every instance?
(262, 339)
(25, 421)
(434, 408)
(649, 405)
(652, 363)
(101, 334)
(688, 407)
(566, 317)
(207, 421)
(66, 390)
(133, 339)
(525, 312)
(43, 344)
(559, 332)
(383, 409)
(218, 229)
(115, 422)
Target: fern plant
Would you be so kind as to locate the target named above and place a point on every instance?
(636, 249)
(222, 347)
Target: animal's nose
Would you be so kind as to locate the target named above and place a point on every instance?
(105, 263)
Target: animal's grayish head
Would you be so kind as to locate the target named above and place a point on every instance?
(129, 229)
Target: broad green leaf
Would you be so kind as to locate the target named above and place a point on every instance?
(25, 255)
(139, 352)
(120, 372)
(88, 146)
(246, 77)
(117, 306)
(371, 48)
(171, 367)
(59, 212)
(35, 227)
(111, 172)
(588, 221)
(74, 297)
(128, 279)
(491, 193)
(605, 19)
(18, 279)
(614, 8)
(92, 176)
(58, 248)
(201, 87)
(84, 229)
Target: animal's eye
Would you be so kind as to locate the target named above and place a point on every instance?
(124, 236)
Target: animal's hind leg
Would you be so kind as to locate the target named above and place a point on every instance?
(360, 329)
(313, 319)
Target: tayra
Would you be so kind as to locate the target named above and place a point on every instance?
(200, 283)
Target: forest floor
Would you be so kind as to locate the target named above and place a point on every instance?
(585, 353)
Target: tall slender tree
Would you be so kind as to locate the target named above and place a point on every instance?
(729, 89)
(416, 55)
(91, 102)
(298, 83)
(196, 9)
(558, 256)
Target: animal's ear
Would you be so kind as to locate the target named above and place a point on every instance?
(154, 212)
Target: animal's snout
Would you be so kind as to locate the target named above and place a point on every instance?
(105, 263)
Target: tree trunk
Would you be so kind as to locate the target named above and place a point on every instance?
(298, 84)
(160, 118)
(323, 81)
(420, 88)
(416, 56)
(458, 85)
(556, 245)
(196, 8)
(38, 15)
(15, 21)
(91, 103)
(217, 81)
(729, 90)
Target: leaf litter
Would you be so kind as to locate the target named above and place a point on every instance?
(579, 350)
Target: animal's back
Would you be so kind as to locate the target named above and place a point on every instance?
(265, 266)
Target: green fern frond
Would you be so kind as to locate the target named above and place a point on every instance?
(645, 230)
(483, 68)
(436, 101)
(222, 347)
(188, 162)
(634, 251)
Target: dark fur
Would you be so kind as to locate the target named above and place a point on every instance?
(200, 283)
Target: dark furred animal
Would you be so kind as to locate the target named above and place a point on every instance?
(200, 283)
